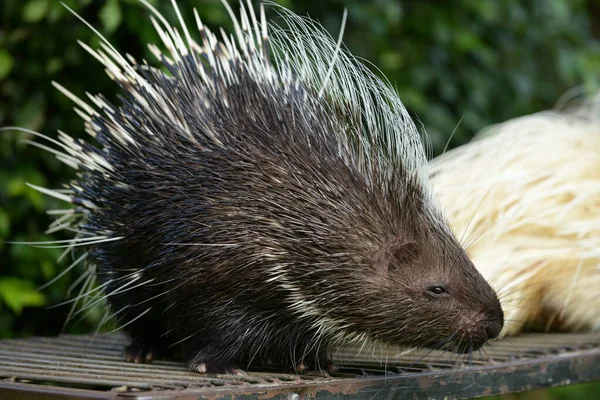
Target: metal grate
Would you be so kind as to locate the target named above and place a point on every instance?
(92, 367)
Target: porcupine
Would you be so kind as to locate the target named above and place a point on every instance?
(264, 198)
(529, 198)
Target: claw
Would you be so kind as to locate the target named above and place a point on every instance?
(140, 354)
(300, 367)
(330, 367)
(215, 368)
(201, 368)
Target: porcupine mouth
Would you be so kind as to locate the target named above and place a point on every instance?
(470, 338)
(462, 343)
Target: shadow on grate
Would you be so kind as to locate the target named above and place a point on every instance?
(72, 367)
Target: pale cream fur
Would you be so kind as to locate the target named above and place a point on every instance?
(524, 196)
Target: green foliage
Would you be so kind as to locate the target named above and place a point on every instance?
(582, 391)
(475, 62)
(17, 293)
(479, 61)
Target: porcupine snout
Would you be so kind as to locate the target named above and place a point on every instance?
(483, 323)
(494, 326)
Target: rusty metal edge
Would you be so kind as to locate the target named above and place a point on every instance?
(513, 377)
(517, 376)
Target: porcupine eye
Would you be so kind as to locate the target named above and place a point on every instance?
(437, 290)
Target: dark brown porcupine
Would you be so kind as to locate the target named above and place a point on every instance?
(262, 199)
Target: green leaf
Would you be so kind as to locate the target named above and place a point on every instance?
(4, 224)
(54, 65)
(15, 187)
(18, 293)
(6, 63)
(31, 114)
(35, 10)
(35, 198)
(48, 269)
(111, 15)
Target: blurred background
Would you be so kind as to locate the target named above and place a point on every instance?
(459, 65)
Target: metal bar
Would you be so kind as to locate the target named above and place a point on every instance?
(93, 367)
(25, 391)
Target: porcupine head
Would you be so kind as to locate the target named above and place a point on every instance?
(262, 197)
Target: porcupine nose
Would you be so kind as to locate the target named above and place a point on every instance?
(493, 329)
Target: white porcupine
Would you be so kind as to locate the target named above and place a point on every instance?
(528, 198)
(265, 199)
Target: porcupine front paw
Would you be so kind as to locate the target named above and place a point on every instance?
(145, 349)
(330, 367)
(214, 367)
(327, 368)
(206, 358)
(140, 353)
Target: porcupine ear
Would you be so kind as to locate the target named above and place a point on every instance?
(394, 254)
